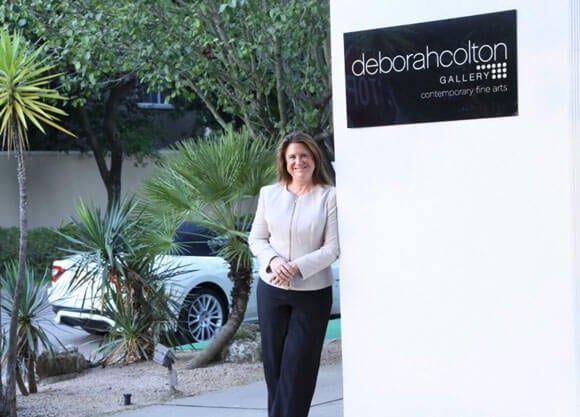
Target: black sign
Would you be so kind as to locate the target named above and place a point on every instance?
(452, 69)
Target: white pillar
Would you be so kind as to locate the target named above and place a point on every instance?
(459, 262)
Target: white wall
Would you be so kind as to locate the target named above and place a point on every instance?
(55, 183)
(457, 238)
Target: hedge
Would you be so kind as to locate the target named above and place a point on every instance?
(44, 246)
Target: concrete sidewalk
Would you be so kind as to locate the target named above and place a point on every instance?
(248, 401)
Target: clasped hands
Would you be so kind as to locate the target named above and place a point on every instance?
(283, 271)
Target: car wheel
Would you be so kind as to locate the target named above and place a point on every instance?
(203, 314)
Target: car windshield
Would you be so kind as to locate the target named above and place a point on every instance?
(194, 240)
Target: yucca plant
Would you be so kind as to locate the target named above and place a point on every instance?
(25, 95)
(214, 182)
(135, 333)
(115, 262)
(33, 332)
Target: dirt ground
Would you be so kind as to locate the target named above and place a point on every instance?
(100, 391)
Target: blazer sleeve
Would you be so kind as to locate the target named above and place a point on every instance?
(258, 239)
(322, 258)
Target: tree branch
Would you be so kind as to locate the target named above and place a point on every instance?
(212, 109)
(96, 147)
(282, 109)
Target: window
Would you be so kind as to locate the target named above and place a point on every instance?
(152, 100)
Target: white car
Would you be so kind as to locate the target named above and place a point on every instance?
(203, 294)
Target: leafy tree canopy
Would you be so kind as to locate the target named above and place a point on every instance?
(266, 62)
(86, 37)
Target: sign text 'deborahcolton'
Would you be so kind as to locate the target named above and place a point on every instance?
(463, 68)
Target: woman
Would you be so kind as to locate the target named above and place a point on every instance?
(295, 238)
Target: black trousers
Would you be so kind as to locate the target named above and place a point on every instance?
(292, 327)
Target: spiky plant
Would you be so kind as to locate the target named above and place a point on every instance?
(115, 264)
(33, 332)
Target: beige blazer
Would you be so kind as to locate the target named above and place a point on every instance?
(302, 229)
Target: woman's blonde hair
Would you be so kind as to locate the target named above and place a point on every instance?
(320, 174)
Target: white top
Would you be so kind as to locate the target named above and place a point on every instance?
(302, 229)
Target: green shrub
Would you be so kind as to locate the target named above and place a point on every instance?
(8, 244)
(44, 246)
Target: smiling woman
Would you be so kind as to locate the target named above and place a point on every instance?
(295, 238)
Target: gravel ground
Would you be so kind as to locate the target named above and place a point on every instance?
(99, 391)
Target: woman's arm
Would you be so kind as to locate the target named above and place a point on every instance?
(324, 256)
(258, 239)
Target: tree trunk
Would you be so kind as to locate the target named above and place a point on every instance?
(31, 373)
(12, 339)
(111, 173)
(20, 382)
(240, 295)
(140, 304)
(113, 139)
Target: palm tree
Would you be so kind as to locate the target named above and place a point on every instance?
(214, 182)
(24, 90)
